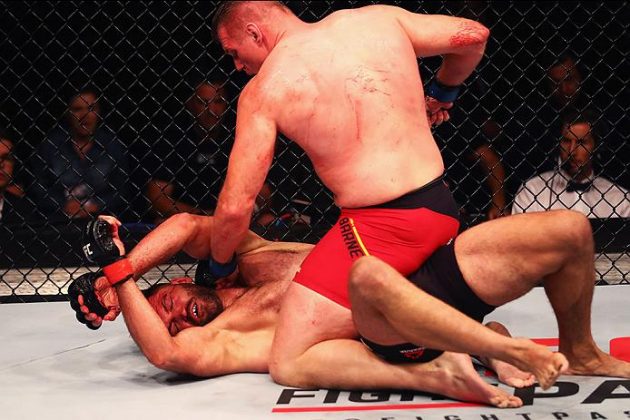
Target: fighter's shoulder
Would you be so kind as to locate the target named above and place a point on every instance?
(347, 20)
(381, 11)
(266, 88)
(378, 17)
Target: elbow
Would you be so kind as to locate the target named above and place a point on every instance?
(471, 34)
(184, 221)
(163, 355)
(484, 33)
(479, 33)
(160, 360)
(164, 360)
(185, 224)
(175, 364)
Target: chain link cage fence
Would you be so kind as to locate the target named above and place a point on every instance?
(149, 100)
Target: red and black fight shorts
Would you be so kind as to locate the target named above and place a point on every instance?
(403, 232)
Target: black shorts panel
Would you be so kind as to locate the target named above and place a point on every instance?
(440, 277)
(434, 196)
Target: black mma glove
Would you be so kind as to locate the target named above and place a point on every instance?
(98, 243)
(209, 271)
(84, 285)
(99, 248)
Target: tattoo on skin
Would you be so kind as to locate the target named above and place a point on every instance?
(469, 33)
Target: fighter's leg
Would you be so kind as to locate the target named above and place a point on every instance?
(503, 259)
(308, 352)
(306, 321)
(375, 326)
(385, 303)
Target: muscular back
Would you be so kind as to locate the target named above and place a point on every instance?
(349, 93)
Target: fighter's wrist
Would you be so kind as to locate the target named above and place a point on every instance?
(442, 92)
(219, 270)
(119, 271)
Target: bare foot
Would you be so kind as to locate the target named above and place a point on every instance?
(599, 364)
(542, 362)
(462, 382)
(526, 356)
(507, 373)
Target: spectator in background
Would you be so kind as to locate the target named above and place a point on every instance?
(474, 170)
(472, 143)
(15, 207)
(529, 115)
(189, 166)
(574, 184)
(564, 82)
(566, 87)
(81, 168)
(6, 171)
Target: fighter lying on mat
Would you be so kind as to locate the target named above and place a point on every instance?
(258, 259)
(241, 335)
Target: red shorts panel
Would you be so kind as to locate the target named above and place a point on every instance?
(403, 238)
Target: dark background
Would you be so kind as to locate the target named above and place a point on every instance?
(145, 58)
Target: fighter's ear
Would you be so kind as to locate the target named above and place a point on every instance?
(254, 32)
(181, 280)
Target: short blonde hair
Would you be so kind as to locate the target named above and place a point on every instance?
(227, 11)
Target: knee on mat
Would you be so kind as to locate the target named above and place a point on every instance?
(286, 373)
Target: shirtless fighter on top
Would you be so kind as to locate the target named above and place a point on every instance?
(347, 90)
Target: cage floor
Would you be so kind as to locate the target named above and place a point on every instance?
(53, 368)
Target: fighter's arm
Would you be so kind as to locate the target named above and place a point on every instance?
(250, 160)
(181, 232)
(201, 351)
(460, 41)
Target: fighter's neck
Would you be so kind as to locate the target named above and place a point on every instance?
(289, 27)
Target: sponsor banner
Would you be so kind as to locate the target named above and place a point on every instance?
(572, 397)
